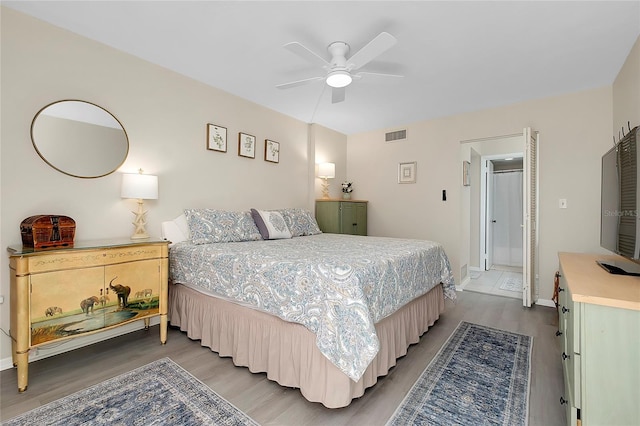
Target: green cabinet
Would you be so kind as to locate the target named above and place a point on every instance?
(600, 341)
(342, 217)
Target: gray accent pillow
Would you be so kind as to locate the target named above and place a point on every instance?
(271, 224)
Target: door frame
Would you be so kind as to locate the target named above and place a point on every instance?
(485, 196)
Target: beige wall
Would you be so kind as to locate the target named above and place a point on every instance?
(575, 130)
(330, 147)
(626, 93)
(165, 116)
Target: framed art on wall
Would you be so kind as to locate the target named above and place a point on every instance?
(246, 145)
(271, 151)
(407, 172)
(216, 138)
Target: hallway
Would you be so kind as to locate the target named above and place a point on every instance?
(499, 280)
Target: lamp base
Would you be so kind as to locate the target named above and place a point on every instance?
(325, 188)
(139, 222)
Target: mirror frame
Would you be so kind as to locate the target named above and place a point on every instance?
(35, 146)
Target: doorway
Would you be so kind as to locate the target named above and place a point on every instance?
(499, 244)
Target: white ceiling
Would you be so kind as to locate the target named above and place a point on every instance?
(455, 56)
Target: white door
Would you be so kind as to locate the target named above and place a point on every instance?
(530, 218)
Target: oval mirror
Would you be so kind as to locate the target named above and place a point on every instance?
(79, 139)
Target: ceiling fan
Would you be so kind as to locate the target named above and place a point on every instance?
(339, 71)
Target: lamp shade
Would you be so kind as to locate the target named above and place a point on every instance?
(326, 170)
(137, 185)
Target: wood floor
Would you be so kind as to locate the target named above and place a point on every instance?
(270, 404)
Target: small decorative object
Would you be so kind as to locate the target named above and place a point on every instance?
(347, 189)
(46, 231)
(246, 145)
(326, 171)
(216, 138)
(465, 173)
(407, 172)
(141, 187)
(271, 151)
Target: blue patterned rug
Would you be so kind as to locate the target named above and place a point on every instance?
(479, 377)
(160, 393)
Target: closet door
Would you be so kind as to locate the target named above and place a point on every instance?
(530, 226)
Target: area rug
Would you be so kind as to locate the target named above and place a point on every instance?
(511, 282)
(479, 377)
(160, 393)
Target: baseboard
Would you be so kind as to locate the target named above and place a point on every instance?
(546, 302)
(464, 282)
(57, 348)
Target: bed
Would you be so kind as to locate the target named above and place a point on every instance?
(325, 313)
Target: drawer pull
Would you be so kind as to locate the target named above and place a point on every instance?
(558, 274)
(558, 333)
(565, 356)
(563, 401)
(560, 289)
(564, 310)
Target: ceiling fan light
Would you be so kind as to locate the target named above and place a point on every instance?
(339, 79)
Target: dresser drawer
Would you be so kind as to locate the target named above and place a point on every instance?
(57, 261)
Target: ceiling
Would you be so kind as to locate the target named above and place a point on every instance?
(455, 56)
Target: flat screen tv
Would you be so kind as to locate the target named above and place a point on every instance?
(620, 192)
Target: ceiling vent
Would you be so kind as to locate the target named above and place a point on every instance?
(398, 135)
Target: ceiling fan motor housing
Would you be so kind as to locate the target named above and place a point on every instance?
(338, 51)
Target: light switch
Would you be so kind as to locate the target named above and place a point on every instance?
(563, 203)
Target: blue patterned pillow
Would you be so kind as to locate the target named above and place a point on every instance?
(271, 224)
(300, 222)
(219, 226)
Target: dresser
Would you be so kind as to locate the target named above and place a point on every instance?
(63, 293)
(342, 216)
(599, 324)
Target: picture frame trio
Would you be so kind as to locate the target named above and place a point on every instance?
(217, 141)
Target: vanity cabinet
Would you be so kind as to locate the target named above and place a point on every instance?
(599, 327)
(62, 293)
(342, 217)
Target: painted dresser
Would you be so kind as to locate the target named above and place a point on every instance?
(64, 293)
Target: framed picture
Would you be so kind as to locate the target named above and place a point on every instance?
(216, 138)
(271, 151)
(465, 173)
(407, 172)
(246, 145)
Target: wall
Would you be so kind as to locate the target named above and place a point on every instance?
(575, 130)
(330, 147)
(626, 93)
(165, 116)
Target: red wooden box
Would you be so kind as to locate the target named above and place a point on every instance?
(45, 231)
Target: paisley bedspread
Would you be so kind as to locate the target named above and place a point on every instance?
(337, 286)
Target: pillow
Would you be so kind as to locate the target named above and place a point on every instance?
(271, 224)
(300, 222)
(176, 230)
(219, 226)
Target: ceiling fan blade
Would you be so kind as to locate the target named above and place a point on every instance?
(373, 49)
(298, 83)
(381, 74)
(309, 55)
(337, 94)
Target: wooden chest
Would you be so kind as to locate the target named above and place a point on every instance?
(45, 231)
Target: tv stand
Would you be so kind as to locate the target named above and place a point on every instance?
(620, 267)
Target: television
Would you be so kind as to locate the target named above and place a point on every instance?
(620, 202)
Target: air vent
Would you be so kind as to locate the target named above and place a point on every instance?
(395, 136)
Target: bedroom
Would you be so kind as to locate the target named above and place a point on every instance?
(165, 113)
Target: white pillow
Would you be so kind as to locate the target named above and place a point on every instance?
(176, 230)
(271, 224)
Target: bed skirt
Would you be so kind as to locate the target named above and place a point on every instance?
(287, 351)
